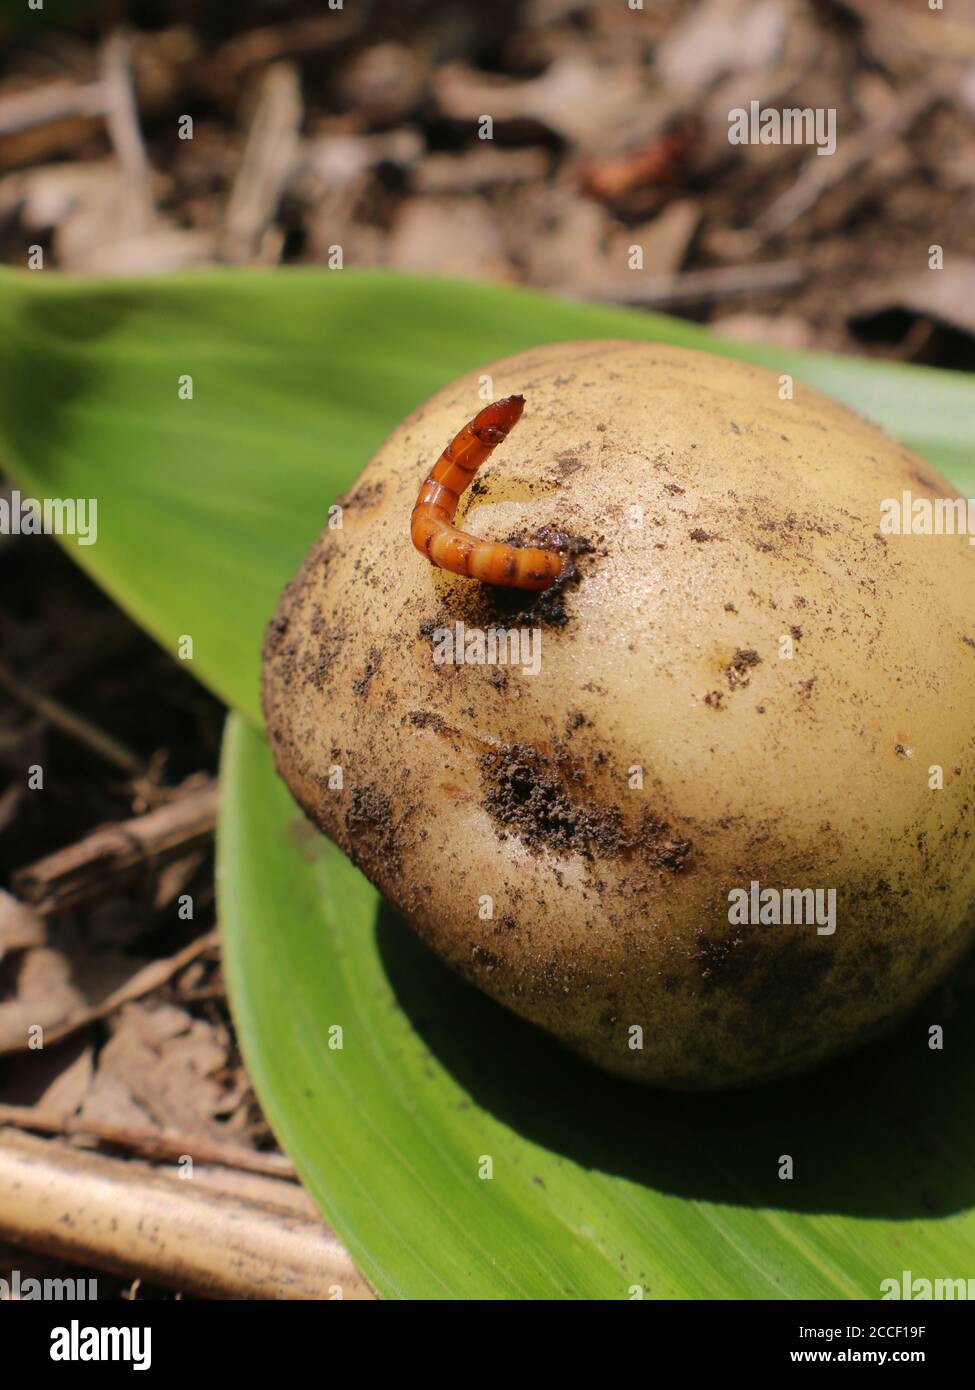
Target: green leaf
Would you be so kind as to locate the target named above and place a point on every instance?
(206, 506)
(598, 1185)
(205, 509)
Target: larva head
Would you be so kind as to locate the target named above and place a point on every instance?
(620, 807)
(493, 424)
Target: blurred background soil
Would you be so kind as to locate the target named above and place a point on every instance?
(352, 136)
(360, 128)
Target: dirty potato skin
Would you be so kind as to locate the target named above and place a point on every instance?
(661, 651)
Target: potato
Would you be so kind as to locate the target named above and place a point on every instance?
(746, 696)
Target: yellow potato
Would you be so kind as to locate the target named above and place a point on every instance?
(747, 684)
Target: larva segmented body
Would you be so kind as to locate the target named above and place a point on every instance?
(431, 527)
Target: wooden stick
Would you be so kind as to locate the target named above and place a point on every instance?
(161, 1145)
(818, 175)
(122, 119)
(111, 855)
(269, 158)
(249, 1237)
(291, 39)
(52, 101)
(697, 284)
(150, 977)
(20, 926)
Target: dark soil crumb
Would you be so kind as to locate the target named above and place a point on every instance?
(277, 628)
(529, 796)
(730, 608)
(278, 644)
(739, 669)
(568, 465)
(926, 483)
(713, 955)
(969, 642)
(369, 821)
(315, 667)
(674, 488)
(766, 981)
(369, 808)
(427, 719)
(714, 698)
(487, 960)
(497, 677)
(796, 632)
(361, 686)
(364, 496)
(548, 607)
(700, 535)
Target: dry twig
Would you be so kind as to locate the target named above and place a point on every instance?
(122, 118)
(110, 855)
(268, 162)
(52, 101)
(160, 1145)
(217, 1234)
(151, 977)
(699, 284)
(818, 175)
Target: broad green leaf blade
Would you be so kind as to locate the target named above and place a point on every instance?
(598, 1187)
(206, 506)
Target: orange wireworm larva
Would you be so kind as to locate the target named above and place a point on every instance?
(432, 529)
